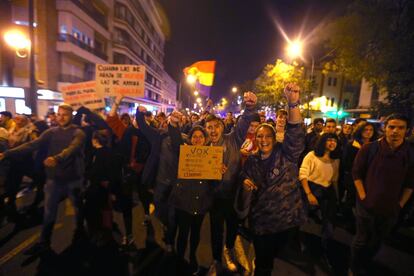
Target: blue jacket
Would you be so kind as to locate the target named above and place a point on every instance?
(277, 203)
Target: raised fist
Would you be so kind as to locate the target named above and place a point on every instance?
(292, 93)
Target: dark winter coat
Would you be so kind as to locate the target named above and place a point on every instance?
(231, 144)
(193, 196)
(277, 203)
(155, 137)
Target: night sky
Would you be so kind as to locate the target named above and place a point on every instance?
(241, 35)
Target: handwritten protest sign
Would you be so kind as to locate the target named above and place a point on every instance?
(120, 79)
(200, 162)
(82, 93)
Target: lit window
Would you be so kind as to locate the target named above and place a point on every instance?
(2, 104)
(63, 29)
(21, 107)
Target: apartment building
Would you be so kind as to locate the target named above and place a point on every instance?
(73, 35)
(138, 39)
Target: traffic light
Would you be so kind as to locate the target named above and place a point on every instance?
(337, 114)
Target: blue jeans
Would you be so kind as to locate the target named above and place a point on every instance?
(56, 191)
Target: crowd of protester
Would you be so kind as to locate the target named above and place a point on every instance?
(276, 175)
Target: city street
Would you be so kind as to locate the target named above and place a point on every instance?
(290, 121)
(149, 257)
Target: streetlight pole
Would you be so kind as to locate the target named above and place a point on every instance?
(311, 85)
(295, 49)
(31, 98)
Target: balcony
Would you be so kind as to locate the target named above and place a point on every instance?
(81, 44)
(92, 12)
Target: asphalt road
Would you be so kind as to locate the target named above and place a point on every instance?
(149, 257)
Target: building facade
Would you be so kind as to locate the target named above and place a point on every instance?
(355, 99)
(73, 35)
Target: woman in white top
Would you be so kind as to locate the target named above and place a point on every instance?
(319, 175)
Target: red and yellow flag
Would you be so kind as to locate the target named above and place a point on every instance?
(203, 70)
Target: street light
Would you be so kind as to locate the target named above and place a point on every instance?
(191, 79)
(294, 50)
(234, 89)
(24, 46)
(18, 41)
(196, 93)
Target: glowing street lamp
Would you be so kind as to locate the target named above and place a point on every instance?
(196, 93)
(18, 41)
(294, 49)
(191, 79)
(234, 89)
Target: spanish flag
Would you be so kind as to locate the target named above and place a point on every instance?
(203, 70)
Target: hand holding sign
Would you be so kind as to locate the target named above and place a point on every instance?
(82, 94)
(201, 162)
(120, 79)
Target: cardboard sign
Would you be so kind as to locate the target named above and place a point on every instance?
(200, 162)
(120, 79)
(82, 93)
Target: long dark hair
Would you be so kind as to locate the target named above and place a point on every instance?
(102, 136)
(321, 145)
(357, 135)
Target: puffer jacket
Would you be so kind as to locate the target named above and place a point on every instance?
(277, 203)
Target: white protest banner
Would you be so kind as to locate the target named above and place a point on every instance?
(200, 162)
(82, 93)
(120, 79)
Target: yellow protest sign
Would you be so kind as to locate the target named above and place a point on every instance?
(120, 79)
(200, 162)
(82, 94)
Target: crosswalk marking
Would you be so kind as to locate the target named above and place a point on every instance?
(242, 258)
(23, 246)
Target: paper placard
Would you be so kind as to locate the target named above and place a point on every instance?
(200, 162)
(82, 94)
(120, 79)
